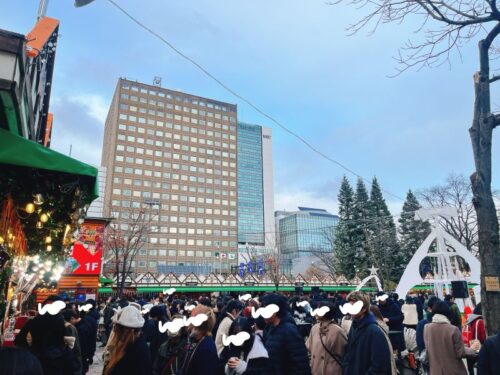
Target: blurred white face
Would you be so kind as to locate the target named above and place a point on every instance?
(358, 309)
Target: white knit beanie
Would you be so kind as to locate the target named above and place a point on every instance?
(130, 317)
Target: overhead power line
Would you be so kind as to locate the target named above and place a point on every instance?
(242, 98)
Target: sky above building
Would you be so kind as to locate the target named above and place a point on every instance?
(294, 60)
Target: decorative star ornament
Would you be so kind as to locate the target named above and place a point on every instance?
(373, 270)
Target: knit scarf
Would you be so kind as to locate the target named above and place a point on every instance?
(438, 318)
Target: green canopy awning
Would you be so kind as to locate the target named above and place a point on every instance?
(105, 280)
(19, 151)
(241, 288)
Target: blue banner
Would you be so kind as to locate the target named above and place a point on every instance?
(261, 267)
(242, 269)
(250, 267)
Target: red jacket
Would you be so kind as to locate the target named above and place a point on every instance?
(474, 323)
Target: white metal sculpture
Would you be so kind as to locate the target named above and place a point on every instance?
(445, 273)
(373, 275)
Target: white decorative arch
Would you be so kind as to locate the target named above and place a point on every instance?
(373, 275)
(445, 272)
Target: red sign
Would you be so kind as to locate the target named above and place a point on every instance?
(86, 256)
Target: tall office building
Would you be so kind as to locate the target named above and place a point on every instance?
(303, 233)
(175, 154)
(255, 187)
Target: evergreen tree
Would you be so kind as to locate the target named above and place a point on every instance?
(361, 217)
(384, 251)
(412, 232)
(344, 251)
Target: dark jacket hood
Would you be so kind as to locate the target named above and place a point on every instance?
(366, 321)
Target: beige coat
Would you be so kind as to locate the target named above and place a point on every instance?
(411, 315)
(445, 348)
(335, 339)
(223, 329)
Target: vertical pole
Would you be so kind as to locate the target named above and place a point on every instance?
(42, 9)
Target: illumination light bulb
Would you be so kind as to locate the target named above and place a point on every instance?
(49, 248)
(48, 239)
(44, 218)
(30, 208)
(39, 225)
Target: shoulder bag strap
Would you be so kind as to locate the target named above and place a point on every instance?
(336, 357)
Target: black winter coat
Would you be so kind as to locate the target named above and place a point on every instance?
(87, 332)
(487, 361)
(153, 337)
(203, 360)
(136, 360)
(392, 311)
(287, 350)
(58, 360)
(367, 351)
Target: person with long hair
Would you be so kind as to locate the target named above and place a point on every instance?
(201, 357)
(128, 351)
(443, 341)
(249, 358)
(326, 343)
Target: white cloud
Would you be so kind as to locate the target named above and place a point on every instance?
(95, 105)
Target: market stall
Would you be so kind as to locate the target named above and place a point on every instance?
(43, 199)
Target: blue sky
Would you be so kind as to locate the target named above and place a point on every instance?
(294, 59)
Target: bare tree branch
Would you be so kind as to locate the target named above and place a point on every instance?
(124, 244)
(457, 192)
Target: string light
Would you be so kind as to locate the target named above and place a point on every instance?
(30, 208)
(44, 218)
(48, 239)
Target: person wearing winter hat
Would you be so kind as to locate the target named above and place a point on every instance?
(128, 351)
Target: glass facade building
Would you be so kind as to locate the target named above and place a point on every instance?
(304, 233)
(250, 185)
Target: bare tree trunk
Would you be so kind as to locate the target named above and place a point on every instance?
(124, 275)
(481, 136)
